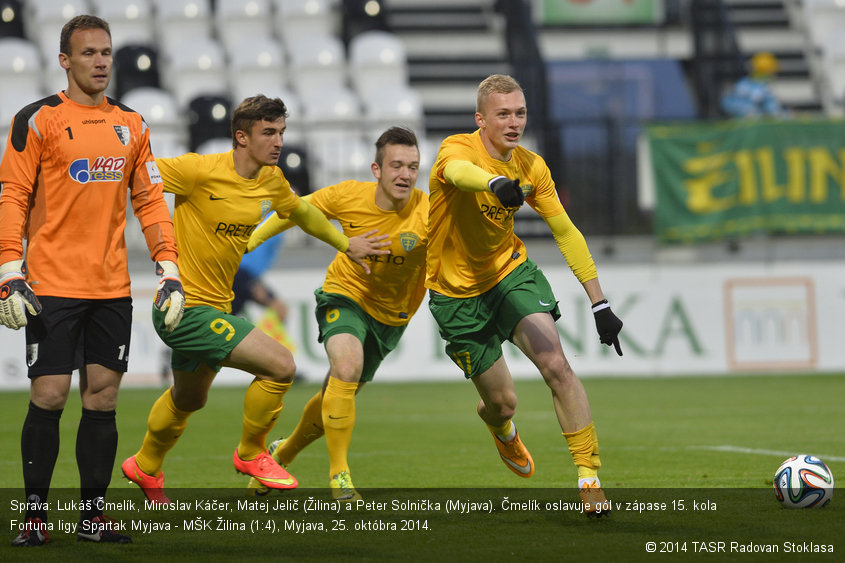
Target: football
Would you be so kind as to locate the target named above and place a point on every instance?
(803, 481)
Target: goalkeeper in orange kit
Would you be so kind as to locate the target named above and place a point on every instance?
(70, 161)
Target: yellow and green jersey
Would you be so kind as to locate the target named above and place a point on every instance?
(392, 293)
(472, 246)
(216, 211)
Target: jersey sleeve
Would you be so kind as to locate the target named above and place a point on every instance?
(328, 199)
(572, 246)
(543, 198)
(456, 147)
(312, 221)
(18, 174)
(287, 200)
(146, 191)
(466, 176)
(180, 174)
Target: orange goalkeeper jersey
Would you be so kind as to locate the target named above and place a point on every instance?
(65, 175)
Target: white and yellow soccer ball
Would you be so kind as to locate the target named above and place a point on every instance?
(803, 481)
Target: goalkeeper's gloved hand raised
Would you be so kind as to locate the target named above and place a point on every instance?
(507, 190)
(607, 324)
(15, 295)
(169, 296)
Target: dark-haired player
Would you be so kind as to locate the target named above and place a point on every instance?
(69, 161)
(220, 199)
(361, 318)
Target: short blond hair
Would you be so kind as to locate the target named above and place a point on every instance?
(495, 84)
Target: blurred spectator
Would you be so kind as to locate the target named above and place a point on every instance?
(752, 96)
(248, 285)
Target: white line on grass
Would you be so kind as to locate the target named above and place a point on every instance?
(751, 451)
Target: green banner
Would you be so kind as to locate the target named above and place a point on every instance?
(605, 12)
(734, 178)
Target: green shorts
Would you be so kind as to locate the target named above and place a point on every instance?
(475, 327)
(337, 314)
(204, 336)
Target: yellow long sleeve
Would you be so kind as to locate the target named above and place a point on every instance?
(270, 228)
(308, 218)
(312, 221)
(467, 177)
(573, 246)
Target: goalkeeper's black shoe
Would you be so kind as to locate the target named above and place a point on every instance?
(102, 529)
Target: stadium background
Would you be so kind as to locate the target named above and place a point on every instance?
(596, 76)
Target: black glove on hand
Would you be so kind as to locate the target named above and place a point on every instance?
(607, 324)
(508, 191)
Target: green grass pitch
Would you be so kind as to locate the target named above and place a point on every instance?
(710, 444)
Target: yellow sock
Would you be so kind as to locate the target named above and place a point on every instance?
(587, 473)
(262, 405)
(584, 447)
(338, 421)
(164, 427)
(308, 429)
(506, 432)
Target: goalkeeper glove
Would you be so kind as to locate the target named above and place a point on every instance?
(508, 191)
(15, 294)
(169, 296)
(607, 324)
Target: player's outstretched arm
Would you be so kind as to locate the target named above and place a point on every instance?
(312, 221)
(15, 296)
(270, 227)
(572, 245)
(468, 177)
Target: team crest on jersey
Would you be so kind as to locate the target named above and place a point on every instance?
(102, 169)
(122, 132)
(409, 241)
(265, 206)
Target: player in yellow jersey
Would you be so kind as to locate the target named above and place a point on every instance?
(361, 318)
(484, 289)
(220, 198)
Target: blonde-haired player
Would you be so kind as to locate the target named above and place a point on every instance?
(485, 289)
